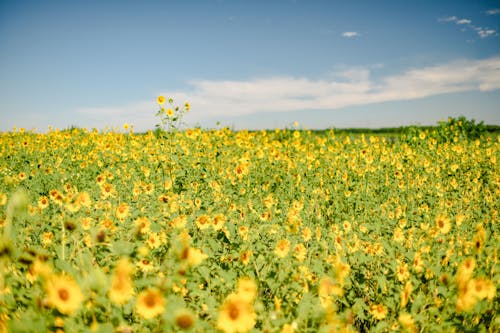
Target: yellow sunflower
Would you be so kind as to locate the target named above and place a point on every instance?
(378, 311)
(193, 256)
(161, 100)
(218, 221)
(122, 287)
(184, 319)
(405, 294)
(236, 315)
(282, 248)
(300, 252)
(43, 202)
(245, 257)
(150, 303)
(64, 294)
(122, 211)
(203, 222)
(247, 288)
(443, 223)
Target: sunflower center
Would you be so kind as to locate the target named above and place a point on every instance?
(184, 321)
(63, 294)
(234, 312)
(150, 300)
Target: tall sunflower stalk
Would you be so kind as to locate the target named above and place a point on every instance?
(171, 121)
(170, 115)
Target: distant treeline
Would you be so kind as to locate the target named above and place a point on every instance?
(403, 129)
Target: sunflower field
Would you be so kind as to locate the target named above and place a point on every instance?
(215, 230)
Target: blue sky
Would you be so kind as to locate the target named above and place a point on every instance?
(248, 64)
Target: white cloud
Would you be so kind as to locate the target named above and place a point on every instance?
(467, 25)
(483, 33)
(448, 19)
(494, 11)
(218, 98)
(350, 34)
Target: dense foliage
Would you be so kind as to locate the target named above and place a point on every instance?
(269, 231)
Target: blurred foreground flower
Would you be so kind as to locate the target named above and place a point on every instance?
(122, 288)
(64, 294)
(150, 303)
(236, 315)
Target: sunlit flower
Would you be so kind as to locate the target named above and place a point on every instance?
(86, 223)
(84, 199)
(327, 288)
(145, 265)
(300, 252)
(122, 211)
(218, 221)
(142, 224)
(122, 288)
(47, 238)
(306, 234)
(64, 294)
(443, 223)
(402, 272)
(282, 248)
(203, 222)
(466, 297)
(3, 199)
(405, 294)
(482, 288)
(107, 190)
(193, 256)
(418, 263)
(243, 232)
(341, 270)
(41, 268)
(43, 202)
(150, 303)
(154, 240)
(184, 319)
(236, 315)
(241, 170)
(465, 271)
(406, 321)
(56, 196)
(247, 289)
(287, 328)
(245, 256)
(479, 238)
(161, 100)
(378, 311)
(398, 235)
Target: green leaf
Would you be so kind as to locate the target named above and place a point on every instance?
(105, 328)
(122, 248)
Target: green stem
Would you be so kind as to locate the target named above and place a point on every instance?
(63, 240)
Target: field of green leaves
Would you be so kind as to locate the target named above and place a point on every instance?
(237, 231)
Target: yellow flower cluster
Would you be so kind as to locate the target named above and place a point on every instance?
(313, 231)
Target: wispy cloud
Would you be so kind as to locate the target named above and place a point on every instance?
(350, 34)
(448, 19)
(494, 11)
(466, 24)
(483, 33)
(216, 98)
